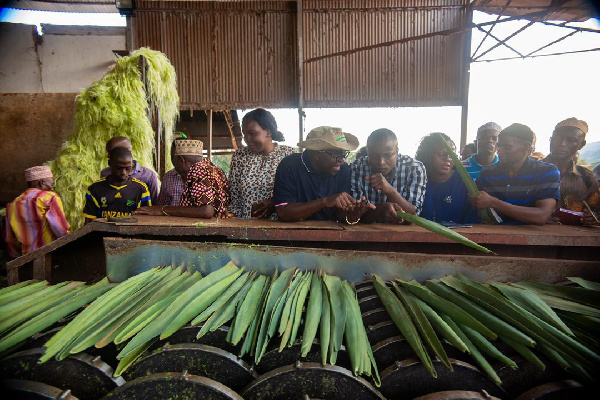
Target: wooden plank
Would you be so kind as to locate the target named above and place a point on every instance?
(13, 276)
(42, 267)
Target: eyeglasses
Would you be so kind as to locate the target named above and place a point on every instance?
(443, 155)
(337, 157)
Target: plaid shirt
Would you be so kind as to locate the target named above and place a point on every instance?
(409, 179)
(170, 189)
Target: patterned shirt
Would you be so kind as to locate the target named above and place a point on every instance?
(577, 185)
(474, 168)
(409, 179)
(105, 200)
(143, 174)
(206, 184)
(535, 180)
(170, 189)
(34, 219)
(252, 178)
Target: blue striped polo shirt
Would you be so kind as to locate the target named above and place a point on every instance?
(474, 168)
(535, 180)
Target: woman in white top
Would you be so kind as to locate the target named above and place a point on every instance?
(252, 173)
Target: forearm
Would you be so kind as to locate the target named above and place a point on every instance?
(394, 197)
(204, 211)
(292, 212)
(529, 215)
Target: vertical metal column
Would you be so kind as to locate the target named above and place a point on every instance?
(465, 79)
(160, 146)
(209, 130)
(299, 27)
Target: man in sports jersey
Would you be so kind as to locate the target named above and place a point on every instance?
(138, 172)
(119, 194)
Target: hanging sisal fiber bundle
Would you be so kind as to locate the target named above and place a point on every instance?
(116, 105)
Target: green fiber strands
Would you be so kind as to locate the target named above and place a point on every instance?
(116, 105)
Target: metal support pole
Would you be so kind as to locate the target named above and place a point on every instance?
(465, 81)
(160, 147)
(300, 71)
(128, 33)
(209, 130)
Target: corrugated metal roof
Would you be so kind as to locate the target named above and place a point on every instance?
(540, 10)
(226, 55)
(423, 71)
(243, 54)
(80, 6)
(571, 10)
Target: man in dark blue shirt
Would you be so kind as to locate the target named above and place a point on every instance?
(521, 189)
(316, 183)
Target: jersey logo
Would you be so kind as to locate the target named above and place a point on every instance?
(130, 202)
(103, 201)
(118, 195)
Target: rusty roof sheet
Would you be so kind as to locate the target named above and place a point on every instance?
(539, 10)
(368, 53)
(568, 10)
(74, 6)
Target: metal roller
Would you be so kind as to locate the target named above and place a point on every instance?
(273, 359)
(560, 390)
(87, 377)
(381, 331)
(188, 334)
(458, 395)
(390, 350)
(409, 378)
(171, 385)
(370, 303)
(375, 316)
(527, 376)
(365, 290)
(395, 348)
(30, 390)
(310, 379)
(362, 284)
(197, 359)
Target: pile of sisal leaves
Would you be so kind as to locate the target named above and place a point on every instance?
(116, 105)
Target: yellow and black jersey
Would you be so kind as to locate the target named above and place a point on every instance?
(104, 200)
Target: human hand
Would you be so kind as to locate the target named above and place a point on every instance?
(553, 220)
(378, 182)
(387, 212)
(589, 218)
(482, 200)
(340, 200)
(224, 215)
(358, 209)
(149, 210)
(263, 209)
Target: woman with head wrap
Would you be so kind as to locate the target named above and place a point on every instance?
(446, 197)
(252, 173)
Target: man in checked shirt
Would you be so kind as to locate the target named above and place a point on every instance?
(391, 181)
